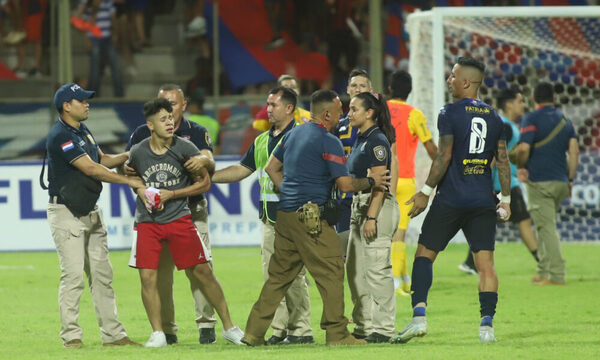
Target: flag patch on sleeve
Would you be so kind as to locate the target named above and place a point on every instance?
(67, 146)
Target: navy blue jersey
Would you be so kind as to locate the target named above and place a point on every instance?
(64, 145)
(548, 162)
(312, 159)
(370, 149)
(476, 128)
(346, 133)
(188, 130)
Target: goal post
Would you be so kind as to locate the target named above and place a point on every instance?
(520, 47)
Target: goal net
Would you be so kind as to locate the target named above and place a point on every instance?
(520, 46)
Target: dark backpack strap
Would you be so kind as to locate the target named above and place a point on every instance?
(42, 172)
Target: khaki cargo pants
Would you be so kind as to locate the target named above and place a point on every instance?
(82, 247)
(369, 268)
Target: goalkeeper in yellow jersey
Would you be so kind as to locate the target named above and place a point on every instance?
(410, 126)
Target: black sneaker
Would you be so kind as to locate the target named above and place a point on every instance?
(274, 340)
(376, 338)
(296, 340)
(171, 339)
(207, 336)
(358, 336)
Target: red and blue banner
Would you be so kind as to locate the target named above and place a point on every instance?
(243, 33)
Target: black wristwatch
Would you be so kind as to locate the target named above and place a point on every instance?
(371, 181)
(370, 218)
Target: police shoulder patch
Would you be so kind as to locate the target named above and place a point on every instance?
(380, 152)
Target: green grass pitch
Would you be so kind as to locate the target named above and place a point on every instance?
(550, 322)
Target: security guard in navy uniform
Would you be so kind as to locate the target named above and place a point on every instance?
(80, 237)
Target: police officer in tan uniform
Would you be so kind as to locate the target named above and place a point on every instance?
(80, 240)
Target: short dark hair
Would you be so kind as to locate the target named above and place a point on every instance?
(358, 72)
(505, 96)
(288, 96)
(401, 84)
(321, 96)
(154, 106)
(471, 62)
(543, 93)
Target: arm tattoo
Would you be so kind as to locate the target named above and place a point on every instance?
(503, 167)
(441, 160)
(360, 184)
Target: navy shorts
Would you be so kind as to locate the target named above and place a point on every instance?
(518, 208)
(443, 222)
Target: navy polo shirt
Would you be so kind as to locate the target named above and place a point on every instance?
(313, 158)
(188, 130)
(549, 162)
(64, 145)
(476, 130)
(370, 149)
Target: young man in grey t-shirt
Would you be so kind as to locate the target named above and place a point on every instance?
(159, 161)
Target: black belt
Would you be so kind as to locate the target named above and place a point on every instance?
(55, 200)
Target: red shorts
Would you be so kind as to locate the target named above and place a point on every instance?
(182, 238)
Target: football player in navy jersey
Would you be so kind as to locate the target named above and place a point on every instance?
(471, 135)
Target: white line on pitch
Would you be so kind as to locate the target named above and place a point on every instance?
(17, 267)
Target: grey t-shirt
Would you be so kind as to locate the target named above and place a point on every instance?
(164, 171)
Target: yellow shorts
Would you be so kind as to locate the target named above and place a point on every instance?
(405, 189)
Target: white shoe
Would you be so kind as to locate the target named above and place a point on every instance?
(157, 339)
(416, 328)
(233, 335)
(486, 334)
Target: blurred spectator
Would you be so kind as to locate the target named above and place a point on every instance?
(275, 10)
(124, 30)
(17, 34)
(196, 109)
(196, 23)
(342, 40)
(139, 7)
(195, 30)
(33, 12)
(103, 52)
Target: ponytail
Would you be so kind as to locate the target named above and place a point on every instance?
(381, 113)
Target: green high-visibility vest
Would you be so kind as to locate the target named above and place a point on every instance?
(261, 156)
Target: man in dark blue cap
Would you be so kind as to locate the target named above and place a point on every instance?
(81, 238)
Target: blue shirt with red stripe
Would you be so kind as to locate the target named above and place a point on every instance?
(548, 162)
(312, 159)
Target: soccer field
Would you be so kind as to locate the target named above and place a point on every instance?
(550, 322)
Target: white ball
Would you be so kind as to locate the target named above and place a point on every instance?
(501, 213)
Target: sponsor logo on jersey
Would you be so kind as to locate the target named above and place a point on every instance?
(91, 139)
